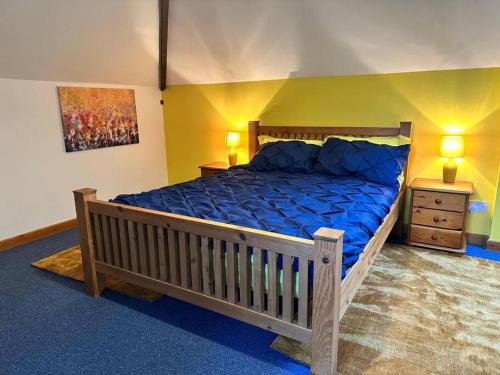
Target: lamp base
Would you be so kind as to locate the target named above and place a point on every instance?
(233, 158)
(449, 171)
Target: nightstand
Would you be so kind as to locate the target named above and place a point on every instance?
(212, 168)
(438, 213)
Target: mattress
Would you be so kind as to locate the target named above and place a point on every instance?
(295, 204)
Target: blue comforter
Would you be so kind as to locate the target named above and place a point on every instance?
(295, 204)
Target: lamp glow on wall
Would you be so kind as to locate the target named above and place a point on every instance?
(232, 141)
(452, 147)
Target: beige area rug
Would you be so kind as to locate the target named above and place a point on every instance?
(419, 312)
(68, 263)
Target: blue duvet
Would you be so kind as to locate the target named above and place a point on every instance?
(295, 204)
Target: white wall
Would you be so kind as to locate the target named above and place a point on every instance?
(37, 176)
(245, 40)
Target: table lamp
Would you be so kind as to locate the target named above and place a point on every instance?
(232, 141)
(452, 146)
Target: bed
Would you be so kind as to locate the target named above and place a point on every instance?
(235, 244)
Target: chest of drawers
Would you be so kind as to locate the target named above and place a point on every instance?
(438, 213)
(212, 168)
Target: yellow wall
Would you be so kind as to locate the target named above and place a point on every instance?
(197, 117)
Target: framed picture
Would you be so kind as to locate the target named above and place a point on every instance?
(96, 117)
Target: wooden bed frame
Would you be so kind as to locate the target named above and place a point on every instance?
(208, 263)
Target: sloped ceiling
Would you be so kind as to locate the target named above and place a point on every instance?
(116, 41)
(109, 41)
(239, 40)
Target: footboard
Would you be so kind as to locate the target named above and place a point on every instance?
(259, 277)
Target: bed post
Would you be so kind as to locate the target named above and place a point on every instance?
(405, 129)
(252, 138)
(94, 281)
(326, 300)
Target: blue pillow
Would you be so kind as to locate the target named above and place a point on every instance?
(371, 162)
(288, 156)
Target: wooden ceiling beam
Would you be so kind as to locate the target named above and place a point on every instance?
(162, 65)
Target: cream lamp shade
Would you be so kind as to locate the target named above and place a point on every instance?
(452, 146)
(232, 141)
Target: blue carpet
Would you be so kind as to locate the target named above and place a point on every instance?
(480, 252)
(49, 326)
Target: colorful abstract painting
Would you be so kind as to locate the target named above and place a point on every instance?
(96, 118)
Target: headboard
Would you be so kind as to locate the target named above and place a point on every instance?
(319, 133)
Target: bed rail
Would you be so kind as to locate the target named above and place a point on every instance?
(226, 268)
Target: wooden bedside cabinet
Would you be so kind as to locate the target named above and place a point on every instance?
(438, 213)
(212, 168)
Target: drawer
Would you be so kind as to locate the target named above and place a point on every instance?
(440, 201)
(205, 172)
(435, 236)
(437, 218)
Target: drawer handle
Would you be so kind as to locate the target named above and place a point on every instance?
(435, 219)
(434, 237)
(438, 201)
